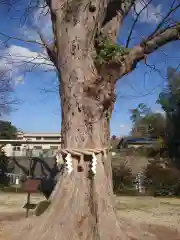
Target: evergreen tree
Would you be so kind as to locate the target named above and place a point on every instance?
(4, 162)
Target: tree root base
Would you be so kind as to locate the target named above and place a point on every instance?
(81, 209)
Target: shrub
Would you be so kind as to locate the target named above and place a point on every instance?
(122, 178)
(162, 179)
(153, 151)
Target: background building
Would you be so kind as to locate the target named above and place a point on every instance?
(32, 143)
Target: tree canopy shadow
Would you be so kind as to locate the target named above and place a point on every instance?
(47, 170)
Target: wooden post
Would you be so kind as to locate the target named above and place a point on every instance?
(29, 194)
(28, 204)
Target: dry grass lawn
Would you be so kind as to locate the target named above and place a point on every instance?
(157, 215)
(159, 211)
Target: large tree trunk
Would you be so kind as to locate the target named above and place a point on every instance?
(84, 124)
(81, 207)
(85, 118)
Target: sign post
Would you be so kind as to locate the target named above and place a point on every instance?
(30, 186)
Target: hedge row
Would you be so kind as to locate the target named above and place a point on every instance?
(160, 179)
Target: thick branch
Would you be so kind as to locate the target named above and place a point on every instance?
(116, 12)
(139, 52)
(55, 5)
(163, 37)
(135, 21)
(23, 168)
(129, 61)
(116, 6)
(34, 161)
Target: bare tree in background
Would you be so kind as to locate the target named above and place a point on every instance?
(6, 90)
(89, 63)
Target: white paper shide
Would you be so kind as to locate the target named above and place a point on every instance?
(69, 163)
(94, 163)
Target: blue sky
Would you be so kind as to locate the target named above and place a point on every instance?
(39, 108)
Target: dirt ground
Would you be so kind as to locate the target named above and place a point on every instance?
(160, 216)
(11, 205)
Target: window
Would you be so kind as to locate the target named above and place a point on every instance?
(54, 147)
(51, 138)
(16, 148)
(38, 138)
(37, 147)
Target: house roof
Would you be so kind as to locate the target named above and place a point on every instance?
(43, 134)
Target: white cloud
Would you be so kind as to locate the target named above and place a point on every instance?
(16, 60)
(122, 126)
(151, 14)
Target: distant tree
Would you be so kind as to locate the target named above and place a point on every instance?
(7, 130)
(114, 142)
(113, 137)
(138, 113)
(169, 99)
(156, 124)
(4, 164)
(6, 90)
(147, 123)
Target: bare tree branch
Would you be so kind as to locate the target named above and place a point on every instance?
(6, 90)
(19, 39)
(135, 21)
(160, 25)
(50, 48)
(23, 168)
(129, 61)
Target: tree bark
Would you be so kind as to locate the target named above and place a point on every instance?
(85, 118)
(85, 124)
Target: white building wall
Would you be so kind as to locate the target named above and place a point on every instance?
(35, 148)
